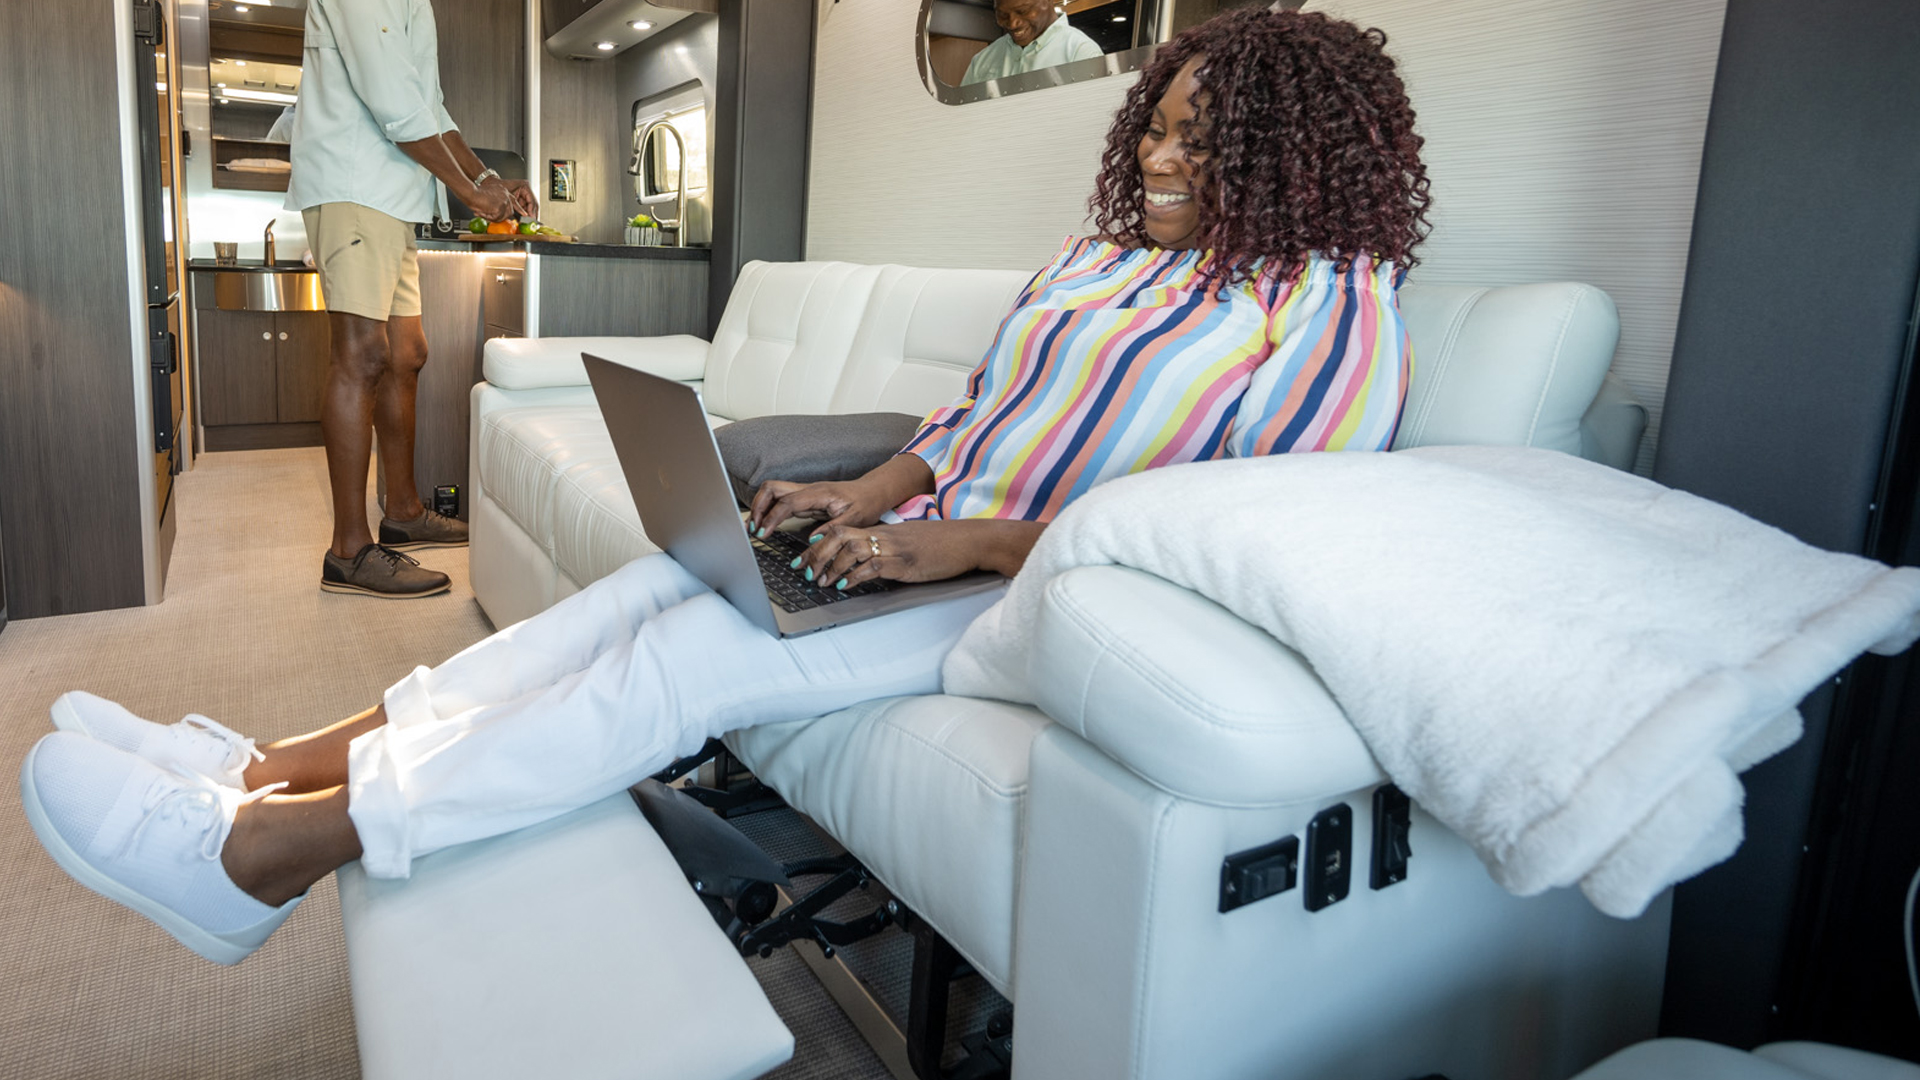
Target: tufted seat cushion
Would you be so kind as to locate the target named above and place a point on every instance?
(928, 792)
(1691, 1059)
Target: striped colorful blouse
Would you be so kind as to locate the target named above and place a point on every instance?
(1115, 360)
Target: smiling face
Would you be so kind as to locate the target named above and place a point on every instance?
(1172, 154)
(1024, 20)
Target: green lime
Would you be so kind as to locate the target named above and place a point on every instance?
(478, 224)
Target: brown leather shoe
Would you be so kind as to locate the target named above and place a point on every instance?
(427, 530)
(383, 572)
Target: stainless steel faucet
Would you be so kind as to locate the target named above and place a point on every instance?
(267, 256)
(679, 223)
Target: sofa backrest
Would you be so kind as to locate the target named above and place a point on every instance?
(782, 343)
(923, 334)
(1518, 365)
(1512, 366)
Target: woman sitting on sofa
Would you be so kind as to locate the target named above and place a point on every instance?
(1259, 200)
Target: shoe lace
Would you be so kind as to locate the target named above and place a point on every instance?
(193, 797)
(393, 557)
(243, 746)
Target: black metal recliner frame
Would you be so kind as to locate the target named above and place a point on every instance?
(742, 887)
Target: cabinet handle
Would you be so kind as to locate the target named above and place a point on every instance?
(266, 335)
(500, 279)
(283, 335)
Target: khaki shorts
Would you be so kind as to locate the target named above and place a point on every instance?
(367, 260)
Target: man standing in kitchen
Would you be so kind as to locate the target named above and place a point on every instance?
(370, 140)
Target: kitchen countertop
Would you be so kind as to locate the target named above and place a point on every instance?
(250, 267)
(572, 251)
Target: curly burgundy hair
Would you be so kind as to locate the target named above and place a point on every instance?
(1313, 145)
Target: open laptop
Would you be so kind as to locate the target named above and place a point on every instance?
(679, 485)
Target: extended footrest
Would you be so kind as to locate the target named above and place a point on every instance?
(571, 948)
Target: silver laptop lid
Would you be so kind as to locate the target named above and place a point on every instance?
(679, 485)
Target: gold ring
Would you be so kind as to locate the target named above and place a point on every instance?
(874, 543)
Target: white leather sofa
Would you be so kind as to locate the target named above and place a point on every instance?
(1073, 853)
(1691, 1059)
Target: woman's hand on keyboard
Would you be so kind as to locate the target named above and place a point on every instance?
(844, 556)
(842, 502)
(845, 501)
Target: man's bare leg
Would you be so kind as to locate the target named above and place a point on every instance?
(315, 761)
(357, 361)
(393, 413)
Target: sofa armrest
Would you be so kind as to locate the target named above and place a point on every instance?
(1189, 697)
(533, 363)
(1611, 429)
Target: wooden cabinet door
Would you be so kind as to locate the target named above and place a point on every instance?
(302, 340)
(237, 379)
(482, 57)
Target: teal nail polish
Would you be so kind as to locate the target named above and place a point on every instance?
(795, 563)
(815, 538)
(762, 534)
(841, 584)
(809, 573)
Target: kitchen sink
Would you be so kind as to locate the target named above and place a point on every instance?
(281, 287)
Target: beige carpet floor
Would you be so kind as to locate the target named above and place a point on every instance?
(246, 637)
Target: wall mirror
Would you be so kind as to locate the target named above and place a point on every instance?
(972, 50)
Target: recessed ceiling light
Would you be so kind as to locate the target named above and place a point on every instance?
(605, 46)
(242, 8)
(239, 63)
(1119, 18)
(641, 24)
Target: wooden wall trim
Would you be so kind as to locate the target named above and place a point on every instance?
(69, 433)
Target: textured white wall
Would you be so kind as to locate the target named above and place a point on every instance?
(1563, 140)
(898, 177)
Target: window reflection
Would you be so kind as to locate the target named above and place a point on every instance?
(971, 50)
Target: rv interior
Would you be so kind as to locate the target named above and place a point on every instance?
(1675, 239)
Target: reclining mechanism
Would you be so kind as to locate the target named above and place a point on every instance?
(755, 902)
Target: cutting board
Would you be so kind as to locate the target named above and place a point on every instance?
(481, 238)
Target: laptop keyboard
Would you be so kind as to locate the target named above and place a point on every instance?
(790, 588)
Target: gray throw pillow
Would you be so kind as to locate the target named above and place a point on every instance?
(809, 449)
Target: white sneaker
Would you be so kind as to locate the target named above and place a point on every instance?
(148, 838)
(196, 743)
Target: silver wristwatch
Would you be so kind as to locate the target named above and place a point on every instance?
(485, 175)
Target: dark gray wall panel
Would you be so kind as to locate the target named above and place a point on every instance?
(69, 463)
(482, 70)
(622, 297)
(658, 64)
(761, 138)
(580, 121)
(1793, 328)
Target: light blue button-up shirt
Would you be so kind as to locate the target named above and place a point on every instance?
(371, 79)
(1058, 44)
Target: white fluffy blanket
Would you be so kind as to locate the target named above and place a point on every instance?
(1565, 664)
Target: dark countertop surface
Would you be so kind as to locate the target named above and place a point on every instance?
(569, 251)
(250, 267)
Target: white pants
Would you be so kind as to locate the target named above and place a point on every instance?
(602, 690)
